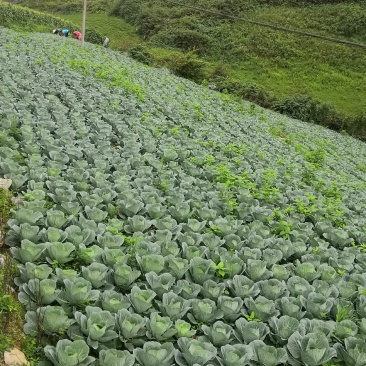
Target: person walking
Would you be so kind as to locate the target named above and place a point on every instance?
(77, 35)
(105, 43)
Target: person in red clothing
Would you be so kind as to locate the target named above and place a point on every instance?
(77, 35)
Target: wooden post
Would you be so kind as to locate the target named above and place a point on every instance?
(83, 25)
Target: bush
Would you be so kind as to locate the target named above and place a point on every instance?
(127, 9)
(188, 66)
(357, 127)
(151, 21)
(307, 109)
(253, 93)
(184, 39)
(232, 7)
(353, 22)
(140, 54)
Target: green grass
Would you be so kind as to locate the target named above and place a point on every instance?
(11, 310)
(345, 91)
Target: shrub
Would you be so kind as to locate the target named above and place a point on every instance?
(151, 20)
(128, 9)
(252, 93)
(352, 21)
(189, 66)
(141, 54)
(307, 109)
(232, 6)
(184, 39)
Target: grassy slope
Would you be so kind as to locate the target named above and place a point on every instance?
(315, 70)
(11, 311)
(122, 35)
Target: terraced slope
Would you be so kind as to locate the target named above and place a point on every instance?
(164, 224)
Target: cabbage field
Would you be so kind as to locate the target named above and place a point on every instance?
(160, 223)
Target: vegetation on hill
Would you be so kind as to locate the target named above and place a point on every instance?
(310, 79)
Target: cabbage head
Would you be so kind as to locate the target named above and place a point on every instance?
(155, 354)
(113, 357)
(97, 324)
(311, 349)
(160, 328)
(68, 353)
(236, 355)
(194, 352)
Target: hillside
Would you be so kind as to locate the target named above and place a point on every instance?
(160, 222)
(274, 69)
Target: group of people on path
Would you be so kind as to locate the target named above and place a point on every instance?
(77, 35)
(65, 33)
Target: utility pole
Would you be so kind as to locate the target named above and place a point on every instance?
(83, 25)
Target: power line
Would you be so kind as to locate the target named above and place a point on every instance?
(275, 27)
